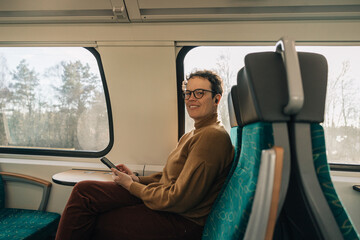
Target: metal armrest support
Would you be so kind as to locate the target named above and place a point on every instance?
(46, 185)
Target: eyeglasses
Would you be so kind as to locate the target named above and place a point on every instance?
(198, 93)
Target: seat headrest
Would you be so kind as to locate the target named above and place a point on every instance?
(314, 71)
(262, 88)
(233, 105)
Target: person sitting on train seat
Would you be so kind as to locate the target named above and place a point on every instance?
(172, 204)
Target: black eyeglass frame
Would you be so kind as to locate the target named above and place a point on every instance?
(193, 92)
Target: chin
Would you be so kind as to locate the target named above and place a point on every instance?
(192, 117)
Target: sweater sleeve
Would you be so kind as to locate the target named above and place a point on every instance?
(151, 178)
(204, 163)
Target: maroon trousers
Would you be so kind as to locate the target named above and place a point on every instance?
(104, 210)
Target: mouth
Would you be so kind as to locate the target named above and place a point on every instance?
(193, 106)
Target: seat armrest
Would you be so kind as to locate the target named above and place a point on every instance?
(17, 177)
(266, 199)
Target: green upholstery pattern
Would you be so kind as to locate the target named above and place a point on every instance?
(323, 174)
(231, 211)
(27, 224)
(2, 194)
(235, 135)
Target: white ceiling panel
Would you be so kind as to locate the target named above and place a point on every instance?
(125, 11)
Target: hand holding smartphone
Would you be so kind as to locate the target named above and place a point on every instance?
(108, 163)
(122, 169)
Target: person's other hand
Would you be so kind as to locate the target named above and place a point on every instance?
(122, 178)
(124, 169)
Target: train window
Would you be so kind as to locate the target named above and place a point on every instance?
(342, 113)
(53, 101)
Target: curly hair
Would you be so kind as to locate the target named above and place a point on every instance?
(212, 77)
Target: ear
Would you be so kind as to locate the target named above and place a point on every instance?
(217, 99)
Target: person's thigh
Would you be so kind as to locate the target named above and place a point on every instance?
(139, 223)
(100, 196)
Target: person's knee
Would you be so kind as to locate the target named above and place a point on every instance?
(83, 187)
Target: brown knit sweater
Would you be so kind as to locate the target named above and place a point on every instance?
(193, 175)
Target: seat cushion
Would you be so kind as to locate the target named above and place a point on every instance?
(27, 224)
(323, 174)
(229, 216)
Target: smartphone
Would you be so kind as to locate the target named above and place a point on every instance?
(108, 163)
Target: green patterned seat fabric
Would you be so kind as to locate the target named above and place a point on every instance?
(27, 224)
(323, 174)
(230, 214)
(235, 135)
(2, 194)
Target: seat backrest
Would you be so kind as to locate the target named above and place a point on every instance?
(323, 173)
(235, 123)
(312, 203)
(261, 98)
(2, 193)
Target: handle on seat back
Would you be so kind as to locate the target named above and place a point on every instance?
(286, 48)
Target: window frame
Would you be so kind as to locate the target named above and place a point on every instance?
(179, 79)
(74, 153)
(181, 105)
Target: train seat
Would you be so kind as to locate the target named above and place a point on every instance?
(235, 123)
(236, 136)
(312, 204)
(242, 209)
(24, 223)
